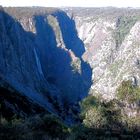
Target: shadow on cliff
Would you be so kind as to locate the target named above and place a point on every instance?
(69, 33)
(74, 43)
(57, 61)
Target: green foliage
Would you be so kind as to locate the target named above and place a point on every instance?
(105, 120)
(112, 113)
(89, 102)
(131, 123)
(101, 120)
(36, 127)
(124, 24)
(127, 92)
(97, 114)
(50, 127)
(94, 118)
(54, 127)
(81, 132)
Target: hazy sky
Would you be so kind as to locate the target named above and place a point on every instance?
(80, 3)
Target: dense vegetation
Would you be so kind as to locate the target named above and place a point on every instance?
(123, 26)
(128, 92)
(101, 120)
(34, 128)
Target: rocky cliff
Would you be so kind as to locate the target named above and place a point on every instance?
(111, 40)
(57, 57)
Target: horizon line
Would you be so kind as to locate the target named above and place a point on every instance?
(117, 7)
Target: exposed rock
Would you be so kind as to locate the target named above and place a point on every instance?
(110, 65)
(56, 57)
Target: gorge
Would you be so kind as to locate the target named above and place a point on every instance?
(54, 58)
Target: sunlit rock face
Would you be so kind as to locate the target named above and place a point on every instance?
(112, 44)
(57, 57)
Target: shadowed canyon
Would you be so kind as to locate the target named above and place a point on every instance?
(55, 61)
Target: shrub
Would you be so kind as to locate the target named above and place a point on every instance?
(94, 118)
(89, 101)
(127, 92)
(97, 114)
(112, 113)
(131, 123)
(54, 127)
(36, 127)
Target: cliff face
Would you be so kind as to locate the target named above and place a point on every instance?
(42, 59)
(56, 57)
(20, 65)
(111, 38)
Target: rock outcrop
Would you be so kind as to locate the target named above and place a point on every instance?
(112, 44)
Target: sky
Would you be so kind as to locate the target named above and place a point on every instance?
(72, 3)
